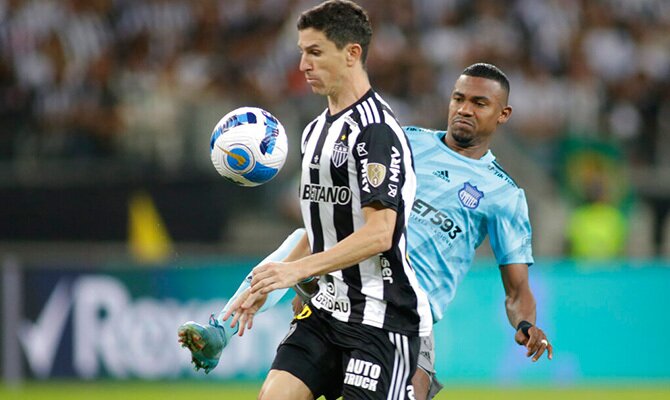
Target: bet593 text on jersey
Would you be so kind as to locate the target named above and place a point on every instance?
(459, 201)
(350, 160)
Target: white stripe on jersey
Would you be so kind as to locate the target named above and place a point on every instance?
(361, 111)
(410, 188)
(379, 98)
(368, 113)
(401, 367)
(308, 148)
(327, 212)
(375, 112)
(423, 305)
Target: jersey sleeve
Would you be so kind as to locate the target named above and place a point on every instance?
(381, 172)
(510, 232)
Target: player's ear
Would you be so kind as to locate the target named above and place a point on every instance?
(505, 114)
(354, 52)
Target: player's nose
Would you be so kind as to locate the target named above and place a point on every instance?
(465, 108)
(305, 65)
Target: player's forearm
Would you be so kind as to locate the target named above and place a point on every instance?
(520, 306)
(519, 300)
(291, 247)
(375, 237)
(301, 248)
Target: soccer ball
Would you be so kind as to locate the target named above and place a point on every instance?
(248, 146)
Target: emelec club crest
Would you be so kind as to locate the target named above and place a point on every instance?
(470, 196)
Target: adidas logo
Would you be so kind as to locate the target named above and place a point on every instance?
(442, 174)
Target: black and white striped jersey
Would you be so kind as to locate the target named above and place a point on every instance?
(350, 160)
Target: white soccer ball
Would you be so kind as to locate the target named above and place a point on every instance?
(248, 146)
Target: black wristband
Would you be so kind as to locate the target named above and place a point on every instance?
(524, 326)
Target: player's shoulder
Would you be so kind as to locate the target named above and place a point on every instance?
(418, 135)
(500, 174)
(414, 130)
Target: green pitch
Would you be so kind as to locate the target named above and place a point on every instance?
(225, 391)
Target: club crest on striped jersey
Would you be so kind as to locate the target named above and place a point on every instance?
(469, 195)
(376, 173)
(340, 154)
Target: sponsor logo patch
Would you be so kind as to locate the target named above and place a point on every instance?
(362, 374)
(360, 149)
(376, 173)
(393, 190)
(443, 175)
(326, 194)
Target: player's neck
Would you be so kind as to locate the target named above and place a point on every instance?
(349, 93)
(476, 151)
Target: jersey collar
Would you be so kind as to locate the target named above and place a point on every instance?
(332, 118)
(486, 159)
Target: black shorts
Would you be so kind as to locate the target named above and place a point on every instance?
(356, 361)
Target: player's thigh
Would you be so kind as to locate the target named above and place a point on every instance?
(381, 367)
(307, 354)
(282, 385)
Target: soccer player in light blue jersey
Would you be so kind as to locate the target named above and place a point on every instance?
(462, 196)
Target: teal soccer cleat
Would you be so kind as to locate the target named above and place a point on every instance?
(204, 342)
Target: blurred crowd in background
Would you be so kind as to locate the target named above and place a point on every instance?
(138, 85)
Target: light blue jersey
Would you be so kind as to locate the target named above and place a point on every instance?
(458, 202)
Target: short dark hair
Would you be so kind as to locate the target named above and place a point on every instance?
(342, 22)
(488, 71)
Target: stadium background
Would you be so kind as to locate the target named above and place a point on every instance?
(114, 227)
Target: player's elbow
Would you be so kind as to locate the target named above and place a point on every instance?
(382, 241)
(379, 227)
(519, 299)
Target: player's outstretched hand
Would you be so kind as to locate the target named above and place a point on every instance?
(536, 342)
(243, 310)
(274, 275)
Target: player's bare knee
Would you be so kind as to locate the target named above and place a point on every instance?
(421, 383)
(281, 385)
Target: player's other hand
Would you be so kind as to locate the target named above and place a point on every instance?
(274, 275)
(297, 305)
(536, 343)
(243, 310)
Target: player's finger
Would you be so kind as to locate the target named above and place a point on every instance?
(520, 338)
(262, 282)
(243, 324)
(532, 345)
(249, 302)
(540, 350)
(232, 310)
(236, 318)
(550, 351)
(267, 289)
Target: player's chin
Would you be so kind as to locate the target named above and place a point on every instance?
(463, 135)
(318, 90)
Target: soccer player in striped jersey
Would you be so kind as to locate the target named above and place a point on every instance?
(463, 194)
(362, 328)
